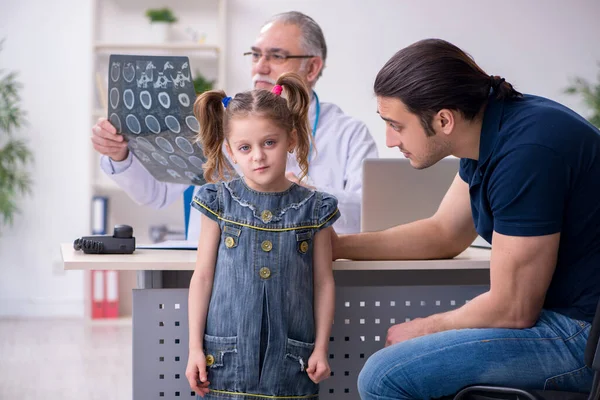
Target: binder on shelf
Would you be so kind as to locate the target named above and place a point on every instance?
(111, 295)
(104, 284)
(101, 86)
(99, 215)
(97, 286)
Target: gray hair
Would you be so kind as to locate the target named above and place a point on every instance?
(313, 40)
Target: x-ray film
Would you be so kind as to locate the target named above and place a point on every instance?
(151, 100)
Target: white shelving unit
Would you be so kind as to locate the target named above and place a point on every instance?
(121, 27)
(168, 47)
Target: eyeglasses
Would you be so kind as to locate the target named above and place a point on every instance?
(275, 58)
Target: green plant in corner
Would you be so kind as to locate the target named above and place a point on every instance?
(14, 154)
(161, 15)
(590, 94)
(201, 84)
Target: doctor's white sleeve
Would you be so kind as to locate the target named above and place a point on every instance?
(139, 184)
(360, 146)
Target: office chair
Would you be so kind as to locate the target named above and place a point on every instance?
(592, 360)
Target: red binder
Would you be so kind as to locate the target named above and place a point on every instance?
(111, 294)
(97, 297)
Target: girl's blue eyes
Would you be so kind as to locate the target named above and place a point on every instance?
(268, 143)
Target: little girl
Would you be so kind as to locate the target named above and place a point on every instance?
(261, 299)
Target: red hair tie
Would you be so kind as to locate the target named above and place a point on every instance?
(277, 89)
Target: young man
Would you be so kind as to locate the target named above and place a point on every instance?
(528, 181)
(289, 42)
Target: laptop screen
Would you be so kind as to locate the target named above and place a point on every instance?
(395, 193)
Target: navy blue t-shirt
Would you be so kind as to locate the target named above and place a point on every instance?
(538, 174)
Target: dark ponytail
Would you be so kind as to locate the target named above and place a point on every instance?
(502, 89)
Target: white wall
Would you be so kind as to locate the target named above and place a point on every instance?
(535, 45)
(48, 43)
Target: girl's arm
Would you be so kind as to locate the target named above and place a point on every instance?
(199, 298)
(324, 288)
(202, 280)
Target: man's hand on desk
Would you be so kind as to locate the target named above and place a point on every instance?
(409, 330)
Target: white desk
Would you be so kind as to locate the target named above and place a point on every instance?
(182, 260)
(370, 297)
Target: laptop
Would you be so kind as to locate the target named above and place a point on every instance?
(395, 193)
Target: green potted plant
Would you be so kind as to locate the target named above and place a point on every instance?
(161, 20)
(14, 153)
(591, 96)
(201, 84)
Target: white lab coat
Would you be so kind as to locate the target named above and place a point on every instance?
(341, 143)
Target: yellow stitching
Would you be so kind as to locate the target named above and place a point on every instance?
(265, 229)
(308, 396)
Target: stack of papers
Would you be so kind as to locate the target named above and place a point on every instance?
(170, 245)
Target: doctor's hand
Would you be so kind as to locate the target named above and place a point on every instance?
(107, 141)
(292, 177)
(196, 372)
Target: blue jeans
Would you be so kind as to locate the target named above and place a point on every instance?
(547, 356)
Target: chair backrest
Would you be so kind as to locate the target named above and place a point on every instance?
(592, 352)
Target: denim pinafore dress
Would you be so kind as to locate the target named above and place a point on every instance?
(260, 328)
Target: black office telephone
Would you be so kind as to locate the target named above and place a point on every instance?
(121, 242)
